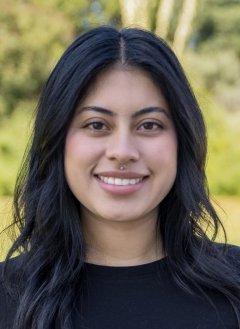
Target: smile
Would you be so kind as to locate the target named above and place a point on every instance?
(121, 186)
(119, 181)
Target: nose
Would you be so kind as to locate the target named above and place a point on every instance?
(122, 148)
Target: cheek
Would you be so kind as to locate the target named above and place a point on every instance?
(79, 157)
(163, 151)
(80, 149)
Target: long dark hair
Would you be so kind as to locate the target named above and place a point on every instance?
(51, 241)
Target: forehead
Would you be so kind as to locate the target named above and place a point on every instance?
(124, 90)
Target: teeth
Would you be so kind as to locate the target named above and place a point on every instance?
(119, 181)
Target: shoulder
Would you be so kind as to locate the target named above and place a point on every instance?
(14, 266)
(13, 272)
(9, 300)
(234, 254)
(230, 253)
(234, 250)
(230, 250)
(226, 248)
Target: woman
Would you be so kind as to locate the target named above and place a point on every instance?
(111, 199)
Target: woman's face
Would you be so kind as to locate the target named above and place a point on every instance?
(146, 143)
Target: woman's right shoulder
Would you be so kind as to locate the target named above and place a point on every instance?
(14, 276)
(8, 300)
(14, 265)
(13, 280)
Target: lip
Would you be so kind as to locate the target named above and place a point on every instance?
(120, 189)
(120, 174)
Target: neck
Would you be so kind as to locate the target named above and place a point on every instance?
(116, 243)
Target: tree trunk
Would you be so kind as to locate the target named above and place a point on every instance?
(184, 26)
(163, 17)
(135, 13)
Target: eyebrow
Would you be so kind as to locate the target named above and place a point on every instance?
(136, 114)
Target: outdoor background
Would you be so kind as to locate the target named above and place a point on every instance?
(204, 35)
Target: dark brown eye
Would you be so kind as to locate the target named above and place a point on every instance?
(96, 125)
(149, 124)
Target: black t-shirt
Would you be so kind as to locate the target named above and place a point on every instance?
(137, 297)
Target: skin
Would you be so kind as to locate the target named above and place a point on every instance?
(120, 230)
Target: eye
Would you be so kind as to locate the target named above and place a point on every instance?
(150, 124)
(95, 124)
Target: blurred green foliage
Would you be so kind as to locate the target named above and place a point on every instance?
(34, 34)
(31, 39)
(223, 152)
(14, 134)
(216, 50)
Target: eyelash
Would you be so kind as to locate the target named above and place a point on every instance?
(147, 122)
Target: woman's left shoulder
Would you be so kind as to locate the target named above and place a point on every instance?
(232, 254)
(228, 249)
(234, 250)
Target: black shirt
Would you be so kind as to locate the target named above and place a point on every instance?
(137, 297)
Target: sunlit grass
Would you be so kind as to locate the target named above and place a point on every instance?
(5, 219)
(230, 219)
